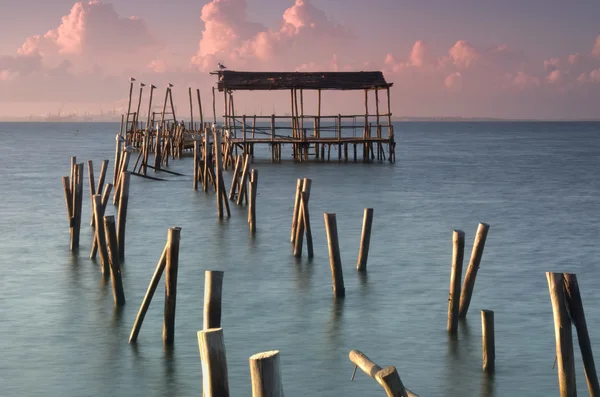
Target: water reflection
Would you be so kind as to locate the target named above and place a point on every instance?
(304, 274)
(488, 385)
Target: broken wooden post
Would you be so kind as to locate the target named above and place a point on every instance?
(172, 260)
(385, 377)
(300, 222)
(335, 261)
(476, 254)
(160, 267)
(458, 253)
(122, 220)
(488, 340)
(100, 234)
(252, 201)
(365, 240)
(266, 375)
(113, 257)
(213, 291)
(213, 358)
(576, 313)
(563, 335)
(299, 185)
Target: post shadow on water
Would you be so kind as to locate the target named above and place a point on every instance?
(334, 328)
(170, 371)
(304, 272)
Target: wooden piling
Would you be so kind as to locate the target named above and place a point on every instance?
(300, 229)
(576, 313)
(563, 335)
(335, 261)
(243, 189)
(390, 380)
(196, 166)
(160, 267)
(122, 220)
(235, 181)
(252, 201)
(215, 381)
(92, 186)
(117, 157)
(299, 186)
(384, 376)
(488, 340)
(100, 187)
(100, 234)
(306, 221)
(213, 292)
(77, 205)
(266, 375)
(458, 253)
(365, 240)
(115, 268)
(172, 266)
(471, 274)
(105, 197)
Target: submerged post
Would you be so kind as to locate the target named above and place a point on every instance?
(171, 284)
(365, 240)
(335, 261)
(458, 253)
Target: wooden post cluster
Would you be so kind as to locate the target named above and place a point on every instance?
(365, 240)
(302, 217)
(170, 260)
(335, 261)
(567, 308)
(387, 377)
(73, 190)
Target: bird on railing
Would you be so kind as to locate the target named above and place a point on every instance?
(221, 66)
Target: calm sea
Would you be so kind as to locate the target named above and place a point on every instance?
(536, 184)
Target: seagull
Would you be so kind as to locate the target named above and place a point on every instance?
(132, 79)
(170, 85)
(142, 85)
(221, 66)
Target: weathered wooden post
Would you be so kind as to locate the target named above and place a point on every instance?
(365, 240)
(172, 260)
(387, 377)
(458, 253)
(576, 313)
(77, 205)
(476, 254)
(563, 335)
(266, 375)
(243, 189)
(213, 292)
(235, 181)
(115, 268)
(92, 185)
(104, 201)
(299, 186)
(100, 234)
(304, 198)
(118, 140)
(122, 220)
(488, 340)
(195, 183)
(215, 381)
(252, 201)
(335, 261)
(99, 189)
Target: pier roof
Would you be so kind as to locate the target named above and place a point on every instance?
(265, 81)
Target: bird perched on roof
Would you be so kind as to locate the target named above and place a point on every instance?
(221, 66)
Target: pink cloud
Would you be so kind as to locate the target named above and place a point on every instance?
(596, 49)
(463, 54)
(157, 66)
(453, 81)
(555, 77)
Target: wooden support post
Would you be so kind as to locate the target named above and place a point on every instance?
(213, 291)
(137, 113)
(252, 201)
(115, 267)
(171, 284)
(200, 107)
(77, 194)
(160, 267)
(458, 253)
(563, 335)
(218, 172)
(215, 381)
(124, 165)
(92, 185)
(488, 340)
(100, 187)
(306, 221)
(235, 181)
(214, 106)
(377, 113)
(123, 201)
(129, 106)
(471, 274)
(148, 122)
(576, 313)
(385, 377)
(105, 197)
(117, 158)
(207, 157)
(304, 197)
(196, 166)
(243, 190)
(335, 261)
(299, 186)
(100, 234)
(266, 375)
(365, 240)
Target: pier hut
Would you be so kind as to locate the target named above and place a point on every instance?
(309, 135)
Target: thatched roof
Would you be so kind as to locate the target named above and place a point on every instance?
(232, 80)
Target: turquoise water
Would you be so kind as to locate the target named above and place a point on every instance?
(536, 184)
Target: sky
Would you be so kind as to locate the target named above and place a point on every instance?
(520, 59)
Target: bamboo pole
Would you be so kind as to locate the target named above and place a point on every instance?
(172, 266)
(213, 357)
(265, 374)
(160, 267)
(365, 240)
(335, 261)
(458, 252)
(488, 340)
(213, 292)
(577, 314)
(299, 186)
(100, 234)
(471, 274)
(115, 267)
(122, 220)
(563, 335)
